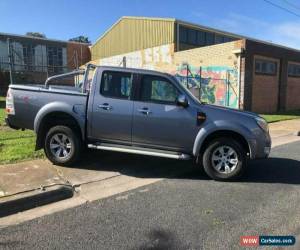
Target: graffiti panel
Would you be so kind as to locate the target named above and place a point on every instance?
(213, 84)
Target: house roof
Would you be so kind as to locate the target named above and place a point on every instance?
(39, 38)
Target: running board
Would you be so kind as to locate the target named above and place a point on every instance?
(141, 151)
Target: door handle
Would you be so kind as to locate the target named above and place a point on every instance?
(105, 106)
(145, 111)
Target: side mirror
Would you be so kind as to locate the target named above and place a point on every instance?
(182, 101)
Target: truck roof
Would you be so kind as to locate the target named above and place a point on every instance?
(134, 70)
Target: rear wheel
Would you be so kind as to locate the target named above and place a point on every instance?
(224, 159)
(62, 145)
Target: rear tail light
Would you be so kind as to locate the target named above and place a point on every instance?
(10, 107)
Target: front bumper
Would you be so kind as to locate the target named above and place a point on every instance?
(261, 146)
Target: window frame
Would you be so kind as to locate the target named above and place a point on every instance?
(139, 90)
(292, 74)
(132, 91)
(265, 61)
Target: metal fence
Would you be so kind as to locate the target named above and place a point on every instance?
(35, 63)
(219, 91)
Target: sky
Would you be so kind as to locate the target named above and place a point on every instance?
(64, 19)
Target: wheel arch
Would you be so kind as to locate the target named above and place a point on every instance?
(198, 151)
(52, 119)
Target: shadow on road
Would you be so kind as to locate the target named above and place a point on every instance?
(271, 170)
(160, 239)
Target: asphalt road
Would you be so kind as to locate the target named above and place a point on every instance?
(184, 212)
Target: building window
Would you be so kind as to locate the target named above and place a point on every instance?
(228, 39)
(29, 56)
(210, 38)
(192, 36)
(219, 39)
(55, 59)
(183, 34)
(201, 38)
(294, 70)
(265, 67)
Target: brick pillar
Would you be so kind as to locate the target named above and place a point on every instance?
(282, 91)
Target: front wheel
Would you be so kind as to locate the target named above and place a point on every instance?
(224, 159)
(62, 145)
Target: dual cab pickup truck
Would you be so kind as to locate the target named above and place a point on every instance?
(137, 111)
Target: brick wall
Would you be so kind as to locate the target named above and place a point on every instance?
(220, 54)
(293, 92)
(265, 89)
(83, 52)
(287, 90)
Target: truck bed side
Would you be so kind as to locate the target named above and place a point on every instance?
(33, 104)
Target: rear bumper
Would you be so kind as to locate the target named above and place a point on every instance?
(9, 124)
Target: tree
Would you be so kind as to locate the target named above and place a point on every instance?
(36, 34)
(80, 39)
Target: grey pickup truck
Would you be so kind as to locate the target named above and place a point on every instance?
(140, 112)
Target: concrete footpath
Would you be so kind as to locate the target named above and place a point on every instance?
(34, 183)
(284, 132)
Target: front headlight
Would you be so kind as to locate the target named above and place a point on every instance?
(262, 124)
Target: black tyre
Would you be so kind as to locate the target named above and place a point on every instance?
(224, 159)
(62, 145)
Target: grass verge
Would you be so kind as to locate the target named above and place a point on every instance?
(282, 116)
(15, 145)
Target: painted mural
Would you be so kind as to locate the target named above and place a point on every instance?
(211, 84)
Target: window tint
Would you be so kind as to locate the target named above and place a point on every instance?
(265, 67)
(158, 89)
(116, 84)
(294, 70)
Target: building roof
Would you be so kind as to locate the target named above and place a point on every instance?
(193, 25)
(39, 38)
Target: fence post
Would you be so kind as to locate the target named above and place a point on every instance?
(124, 61)
(10, 61)
(187, 76)
(227, 88)
(200, 83)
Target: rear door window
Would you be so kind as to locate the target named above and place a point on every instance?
(116, 84)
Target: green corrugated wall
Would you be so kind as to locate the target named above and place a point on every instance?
(131, 34)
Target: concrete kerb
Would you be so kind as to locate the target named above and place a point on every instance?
(30, 199)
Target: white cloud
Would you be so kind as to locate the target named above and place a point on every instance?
(285, 33)
(289, 29)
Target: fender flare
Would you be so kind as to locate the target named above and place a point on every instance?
(62, 108)
(223, 125)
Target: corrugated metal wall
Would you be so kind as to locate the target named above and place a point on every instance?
(131, 34)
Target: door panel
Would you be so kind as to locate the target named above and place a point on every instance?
(157, 120)
(112, 108)
(164, 126)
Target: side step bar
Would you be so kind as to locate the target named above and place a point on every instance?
(140, 151)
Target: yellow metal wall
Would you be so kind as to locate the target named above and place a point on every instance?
(131, 34)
